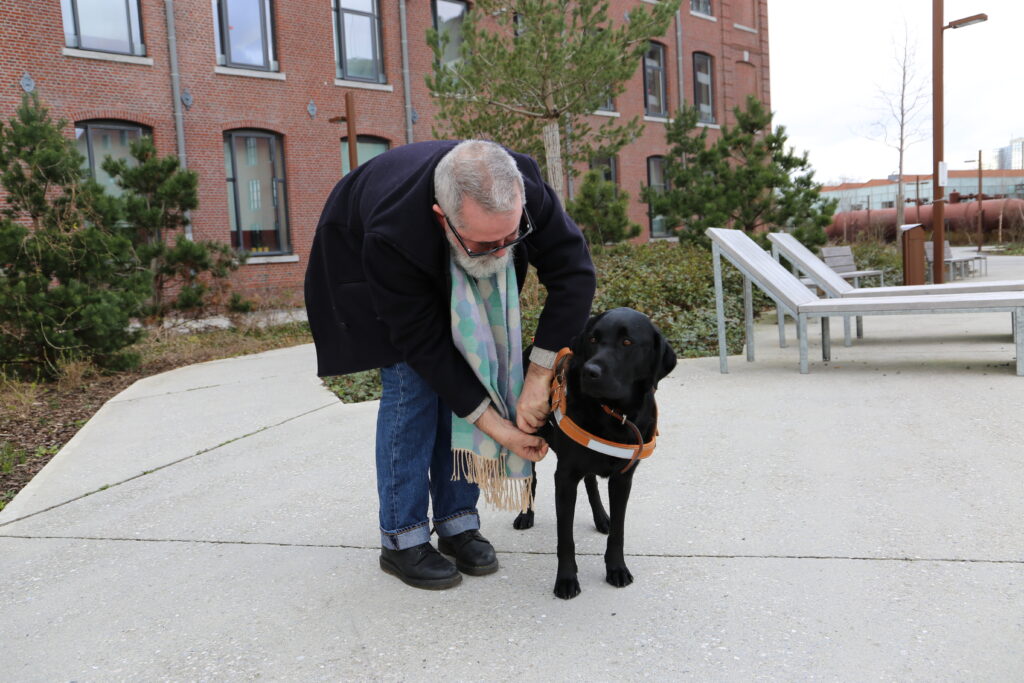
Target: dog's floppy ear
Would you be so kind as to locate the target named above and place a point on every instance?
(664, 360)
(578, 341)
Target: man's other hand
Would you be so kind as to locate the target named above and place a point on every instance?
(535, 400)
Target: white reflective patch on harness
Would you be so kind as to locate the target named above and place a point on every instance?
(606, 449)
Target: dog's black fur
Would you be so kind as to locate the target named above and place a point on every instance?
(617, 361)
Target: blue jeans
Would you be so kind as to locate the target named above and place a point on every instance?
(414, 464)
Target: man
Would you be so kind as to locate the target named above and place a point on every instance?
(416, 269)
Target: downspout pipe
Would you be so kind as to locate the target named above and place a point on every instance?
(406, 91)
(679, 57)
(179, 118)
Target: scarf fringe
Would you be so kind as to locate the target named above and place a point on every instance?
(500, 490)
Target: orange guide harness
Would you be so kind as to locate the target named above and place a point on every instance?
(559, 404)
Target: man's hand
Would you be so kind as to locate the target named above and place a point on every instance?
(534, 402)
(526, 446)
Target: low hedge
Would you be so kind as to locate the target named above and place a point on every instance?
(672, 283)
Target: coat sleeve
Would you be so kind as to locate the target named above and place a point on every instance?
(560, 254)
(406, 300)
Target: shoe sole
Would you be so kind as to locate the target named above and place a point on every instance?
(426, 584)
(468, 569)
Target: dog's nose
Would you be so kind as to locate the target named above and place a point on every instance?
(592, 371)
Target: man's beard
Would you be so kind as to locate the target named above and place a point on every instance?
(480, 267)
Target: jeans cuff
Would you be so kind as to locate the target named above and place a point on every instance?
(406, 538)
(457, 523)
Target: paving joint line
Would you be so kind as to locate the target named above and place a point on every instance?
(106, 487)
(676, 556)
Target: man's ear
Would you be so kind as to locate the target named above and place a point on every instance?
(664, 358)
(438, 215)
(580, 339)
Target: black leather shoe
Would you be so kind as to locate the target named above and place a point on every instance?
(474, 554)
(420, 566)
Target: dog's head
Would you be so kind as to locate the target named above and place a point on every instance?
(619, 353)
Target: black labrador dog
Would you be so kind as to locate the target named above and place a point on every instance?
(615, 367)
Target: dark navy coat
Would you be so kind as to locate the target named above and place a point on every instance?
(378, 286)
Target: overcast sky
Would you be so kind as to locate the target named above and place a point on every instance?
(830, 61)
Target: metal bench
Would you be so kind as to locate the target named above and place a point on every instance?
(801, 303)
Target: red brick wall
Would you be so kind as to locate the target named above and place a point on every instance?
(31, 40)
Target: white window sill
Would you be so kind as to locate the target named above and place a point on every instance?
(708, 125)
(605, 112)
(107, 56)
(345, 83)
(703, 16)
(745, 28)
(250, 73)
(657, 119)
(283, 258)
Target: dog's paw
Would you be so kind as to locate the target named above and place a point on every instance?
(524, 520)
(618, 576)
(567, 588)
(602, 523)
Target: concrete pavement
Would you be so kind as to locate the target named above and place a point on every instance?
(860, 522)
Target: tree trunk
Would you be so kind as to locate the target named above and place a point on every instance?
(553, 158)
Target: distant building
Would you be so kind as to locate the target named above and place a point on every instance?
(882, 193)
(257, 82)
(1011, 156)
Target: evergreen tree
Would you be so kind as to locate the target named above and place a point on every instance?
(600, 210)
(157, 196)
(532, 72)
(746, 179)
(70, 281)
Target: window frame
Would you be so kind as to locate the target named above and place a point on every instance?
(697, 7)
(364, 139)
(136, 41)
(712, 119)
(279, 188)
(223, 39)
(662, 78)
(338, 14)
(663, 187)
(609, 164)
(433, 11)
(110, 124)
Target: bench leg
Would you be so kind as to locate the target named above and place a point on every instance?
(1018, 337)
(826, 339)
(860, 327)
(748, 318)
(801, 333)
(716, 261)
(847, 341)
(782, 327)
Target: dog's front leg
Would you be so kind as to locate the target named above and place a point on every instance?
(567, 585)
(616, 572)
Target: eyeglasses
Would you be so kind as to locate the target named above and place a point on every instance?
(522, 232)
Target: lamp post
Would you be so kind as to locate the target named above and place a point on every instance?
(938, 200)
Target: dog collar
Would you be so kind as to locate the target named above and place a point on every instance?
(559, 407)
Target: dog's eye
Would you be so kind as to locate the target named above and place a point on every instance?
(592, 340)
(627, 342)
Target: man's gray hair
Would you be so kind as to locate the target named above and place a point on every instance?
(481, 170)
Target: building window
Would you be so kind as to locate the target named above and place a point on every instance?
(609, 168)
(448, 16)
(257, 204)
(656, 181)
(103, 25)
(703, 88)
(245, 34)
(367, 147)
(97, 140)
(701, 7)
(655, 103)
(357, 32)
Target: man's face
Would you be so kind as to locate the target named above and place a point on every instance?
(480, 231)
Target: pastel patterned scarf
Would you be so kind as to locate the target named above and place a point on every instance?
(486, 329)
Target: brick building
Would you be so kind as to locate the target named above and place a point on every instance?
(256, 82)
